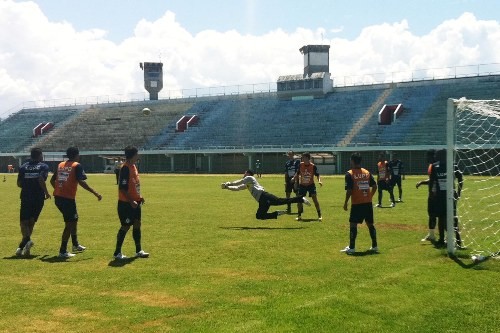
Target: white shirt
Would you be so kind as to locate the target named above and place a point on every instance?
(250, 183)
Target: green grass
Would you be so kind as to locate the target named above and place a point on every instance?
(215, 268)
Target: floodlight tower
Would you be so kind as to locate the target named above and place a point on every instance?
(153, 78)
(316, 59)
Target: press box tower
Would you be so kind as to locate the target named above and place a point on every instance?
(153, 78)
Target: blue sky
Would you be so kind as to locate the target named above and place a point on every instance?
(75, 50)
(256, 17)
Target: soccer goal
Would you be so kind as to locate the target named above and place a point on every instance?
(473, 145)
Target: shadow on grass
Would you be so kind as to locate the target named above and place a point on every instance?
(309, 220)
(476, 265)
(30, 257)
(363, 254)
(121, 262)
(261, 228)
(56, 259)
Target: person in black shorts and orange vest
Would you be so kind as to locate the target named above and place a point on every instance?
(31, 179)
(305, 179)
(68, 175)
(360, 188)
(384, 180)
(129, 204)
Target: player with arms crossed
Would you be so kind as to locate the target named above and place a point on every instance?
(129, 204)
(360, 188)
(69, 174)
(31, 179)
(305, 178)
(265, 199)
(291, 167)
(384, 180)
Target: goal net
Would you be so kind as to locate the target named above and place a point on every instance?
(473, 142)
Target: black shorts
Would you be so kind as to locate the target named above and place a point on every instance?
(303, 189)
(127, 214)
(383, 185)
(432, 210)
(361, 212)
(31, 208)
(290, 186)
(68, 208)
(396, 180)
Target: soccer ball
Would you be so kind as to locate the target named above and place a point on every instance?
(146, 111)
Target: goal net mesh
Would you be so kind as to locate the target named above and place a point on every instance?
(477, 154)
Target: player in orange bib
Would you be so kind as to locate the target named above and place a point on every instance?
(384, 181)
(129, 204)
(360, 188)
(69, 174)
(305, 179)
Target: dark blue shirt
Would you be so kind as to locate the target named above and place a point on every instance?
(291, 167)
(28, 176)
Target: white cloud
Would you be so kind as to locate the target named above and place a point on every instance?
(43, 60)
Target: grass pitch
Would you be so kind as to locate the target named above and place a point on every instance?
(215, 268)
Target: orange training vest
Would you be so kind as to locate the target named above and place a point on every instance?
(361, 191)
(134, 187)
(66, 182)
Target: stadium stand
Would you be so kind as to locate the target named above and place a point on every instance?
(16, 132)
(256, 123)
(113, 126)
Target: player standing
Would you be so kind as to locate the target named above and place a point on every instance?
(130, 201)
(69, 174)
(360, 188)
(384, 181)
(431, 205)
(305, 178)
(396, 169)
(291, 167)
(437, 182)
(31, 179)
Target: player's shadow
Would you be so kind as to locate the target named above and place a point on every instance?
(14, 257)
(475, 265)
(56, 259)
(261, 228)
(308, 220)
(121, 262)
(364, 253)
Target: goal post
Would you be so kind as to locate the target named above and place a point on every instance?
(473, 145)
(450, 179)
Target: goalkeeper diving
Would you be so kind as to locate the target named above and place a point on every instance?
(265, 199)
